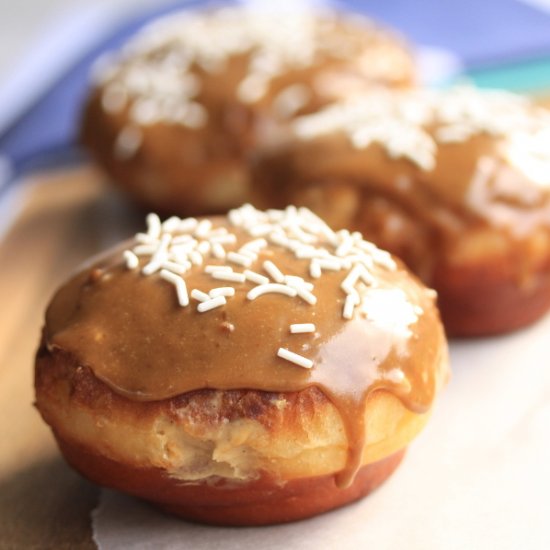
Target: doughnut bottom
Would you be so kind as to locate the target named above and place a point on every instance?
(484, 300)
(264, 501)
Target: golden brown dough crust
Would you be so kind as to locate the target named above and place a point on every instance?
(460, 191)
(261, 502)
(149, 394)
(237, 435)
(175, 131)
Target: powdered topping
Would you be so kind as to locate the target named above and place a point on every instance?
(411, 124)
(175, 247)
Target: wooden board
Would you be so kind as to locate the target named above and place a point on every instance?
(61, 219)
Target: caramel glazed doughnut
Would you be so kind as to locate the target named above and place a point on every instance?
(174, 115)
(248, 370)
(456, 183)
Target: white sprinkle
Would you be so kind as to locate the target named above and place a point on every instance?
(228, 276)
(183, 239)
(290, 100)
(367, 278)
(218, 251)
(344, 247)
(176, 267)
(222, 291)
(214, 268)
(179, 283)
(132, 261)
(329, 265)
(254, 277)
(278, 239)
(204, 247)
(228, 238)
(269, 288)
(384, 259)
(145, 112)
(114, 98)
(179, 256)
(260, 230)
(127, 142)
(306, 295)
(195, 257)
(187, 225)
(295, 358)
(239, 259)
(256, 245)
(159, 256)
(217, 233)
(293, 280)
(273, 271)
(249, 254)
(144, 238)
(153, 226)
(351, 279)
(203, 228)
(252, 88)
(211, 304)
(151, 267)
(144, 249)
(307, 252)
(315, 269)
(351, 301)
(171, 224)
(302, 328)
(199, 295)
(296, 231)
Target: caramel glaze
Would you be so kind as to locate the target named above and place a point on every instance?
(204, 170)
(472, 187)
(131, 332)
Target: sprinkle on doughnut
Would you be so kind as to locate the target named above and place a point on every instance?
(292, 357)
(223, 275)
(222, 291)
(211, 304)
(179, 283)
(273, 271)
(199, 295)
(159, 76)
(413, 124)
(177, 247)
(271, 288)
(302, 328)
(132, 261)
(254, 277)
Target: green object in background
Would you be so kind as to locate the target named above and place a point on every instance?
(531, 76)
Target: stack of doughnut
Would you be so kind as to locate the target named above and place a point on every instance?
(248, 370)
(455, 182)
(174, 116)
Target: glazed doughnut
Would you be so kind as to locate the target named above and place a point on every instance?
(455, 182)
(173, 116)
(254, 369)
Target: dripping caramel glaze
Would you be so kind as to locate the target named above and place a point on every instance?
(131, 332)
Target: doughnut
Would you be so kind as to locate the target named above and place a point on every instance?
(252, 369)
(174, 115)
(454, 182)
